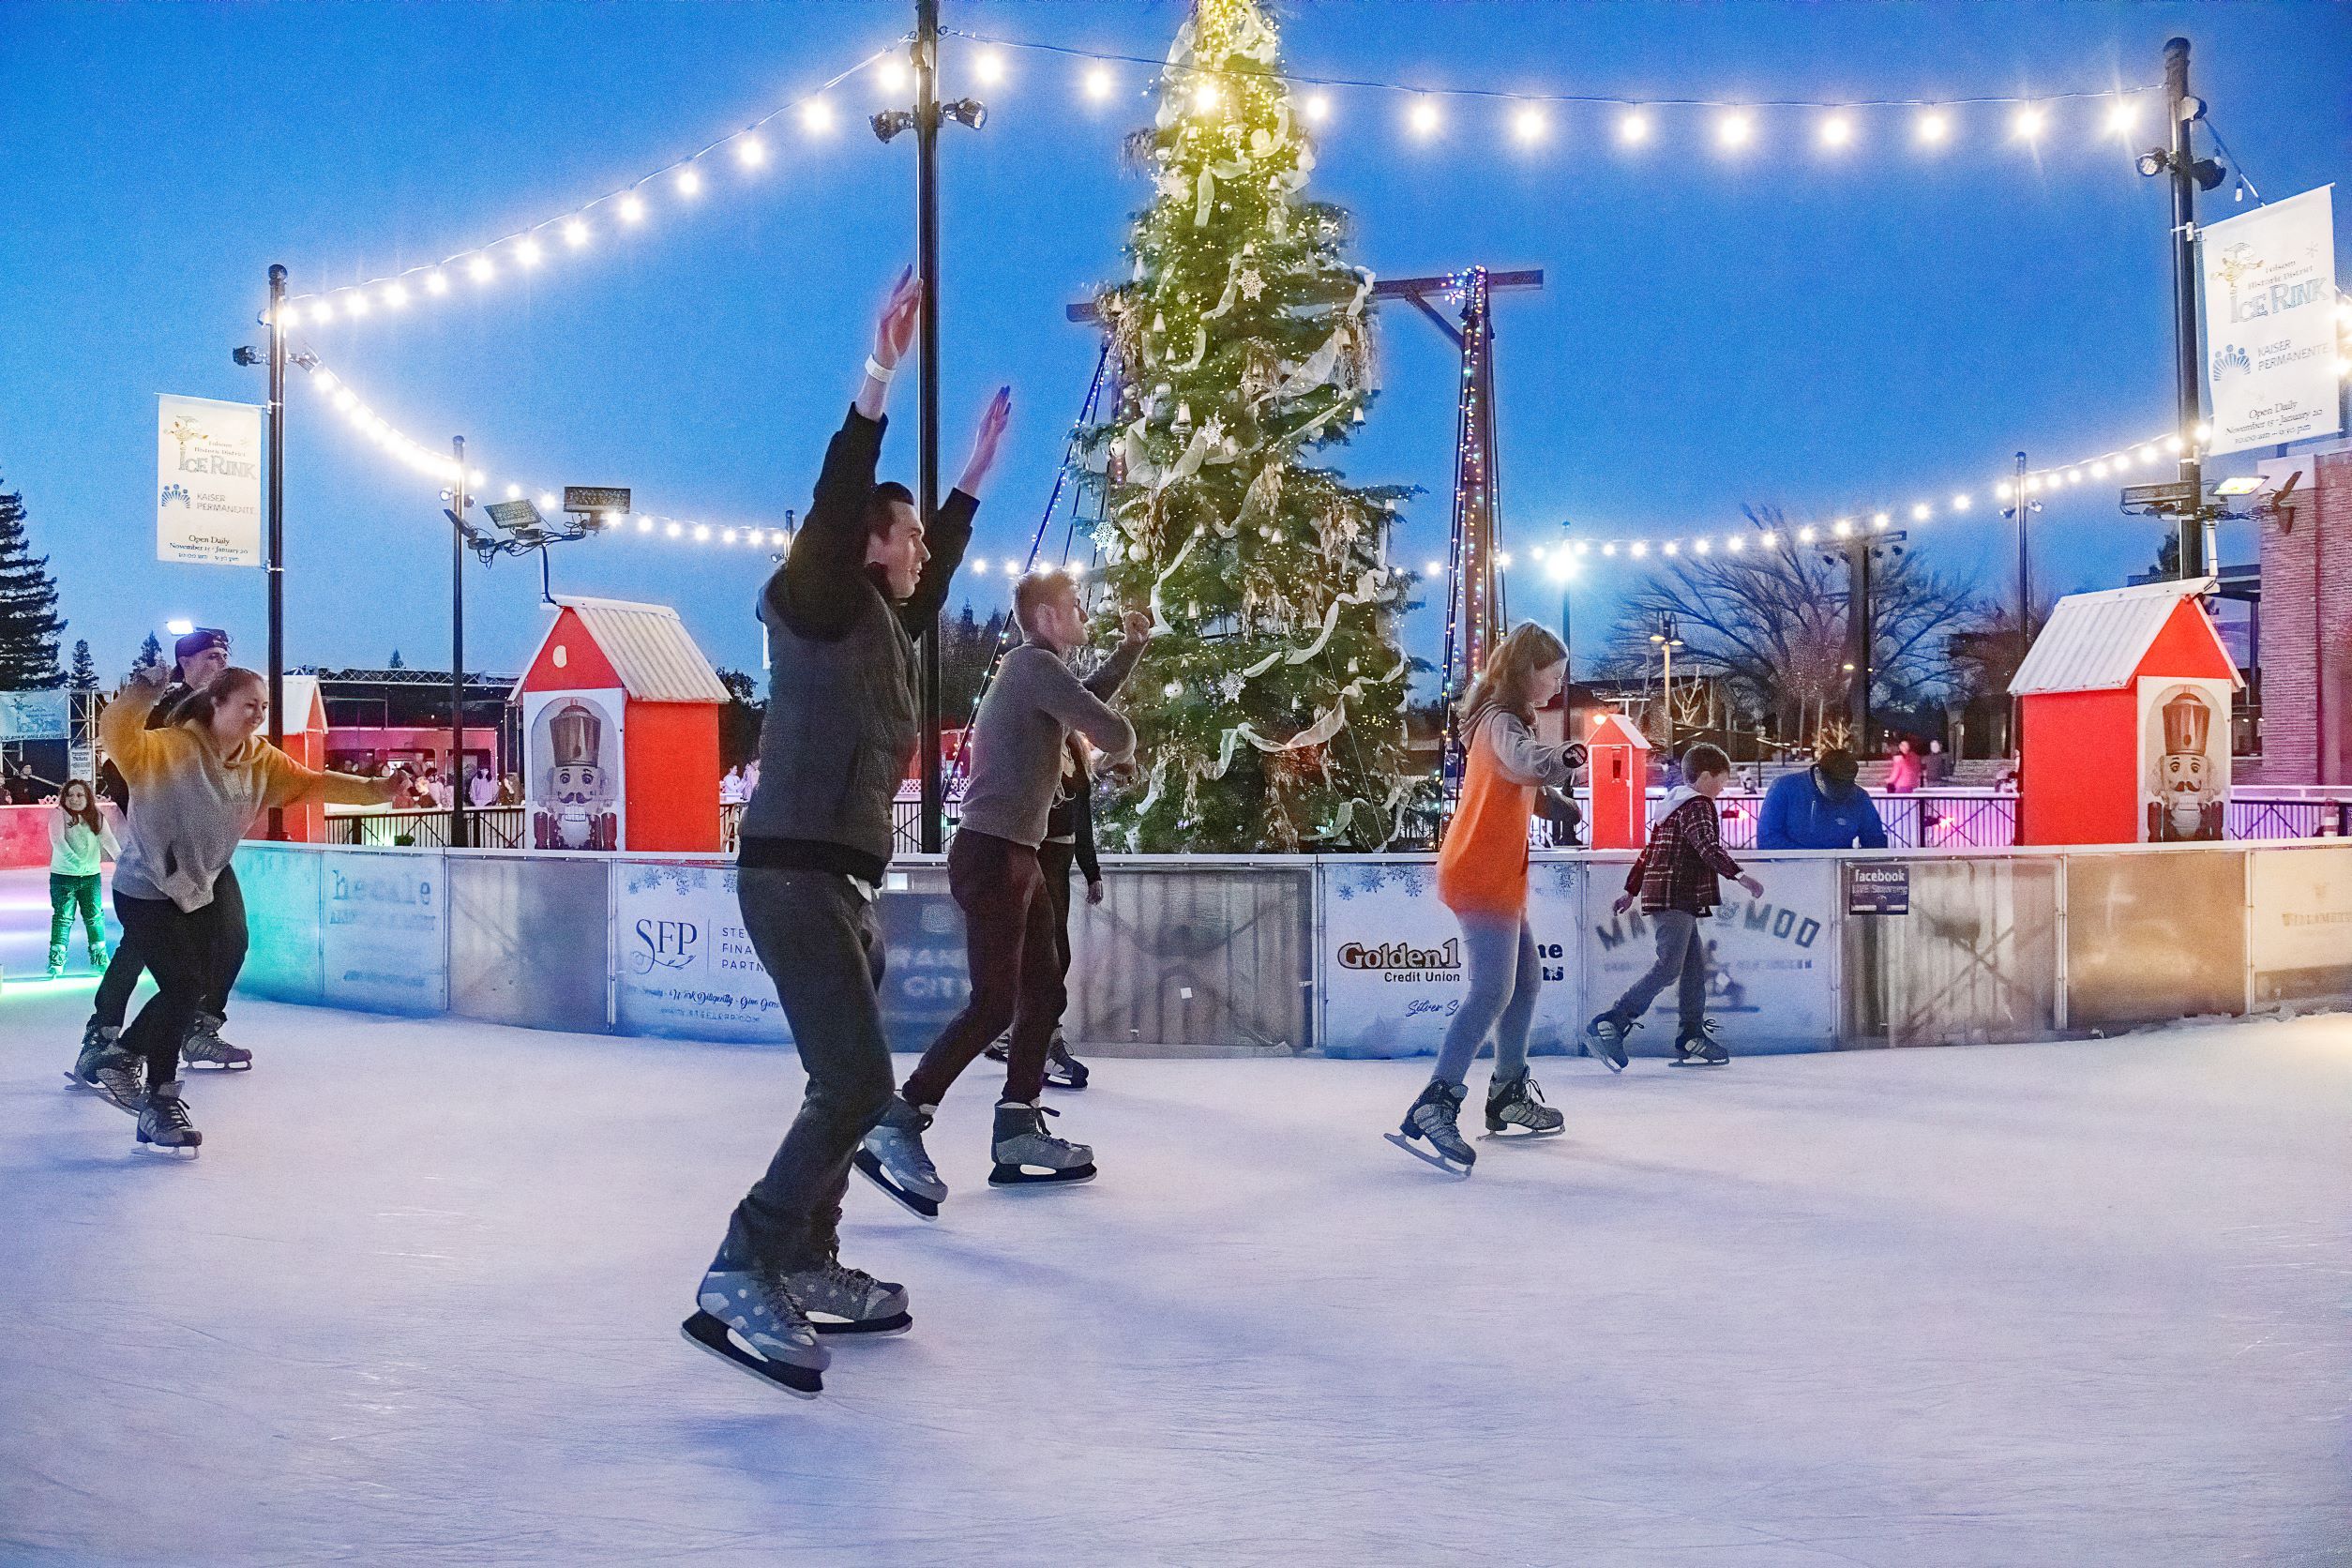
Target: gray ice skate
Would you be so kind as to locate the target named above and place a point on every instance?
(891, 1157)
(1517, 1102)
(121, 1076)
(98, 1041)
(204, 1047)
(1433, 1117)
(1027, 1154)
(1606, 1036)
(163, 1121)
(747, 1316)
(841, 1300)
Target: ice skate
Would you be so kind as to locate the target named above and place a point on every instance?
(1000, 1048)
(204, 1047)
(98, 1042)
(57, 966)
(891, 1157)
(748, 1317)
(1517, 1102)
(841, 1300)
(1605, 1040)
(163, 1121)
(1433, 1117)
(121, 1077)
(1063, 1070)
(1698, 1047)
(1025, 1153)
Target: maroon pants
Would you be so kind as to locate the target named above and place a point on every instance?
(1010, 935)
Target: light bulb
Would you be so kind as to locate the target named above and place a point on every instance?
(988, 67)
(1609, 549)
(751, 152)
(355, 303)
(980, 564)
(322, 311)
(1422, 118)
(1527, 123)
(1961, 502)
(645, 525)
(1633, 128)
(1880, 519)
(702, 532)
(1097, 83)
(1640, 549)
(674, 531)
(2030, 122)
(1735, 130)
(2098, 470)
(514, 492)
(1204, 96)
(1735, 544)
(1316, 108)
(2147, 453)
(816, 116)
(477, 478)
(1842, 528)
(1172, 689)
(1837, 131)
(891, 75)
(547, 501)
(2074, 475)
(632, 209)
(2173, 443)
(1921, 512)
(395, 294)
(2205, 432)
(727, 538)
(436, 283)
(529, 253)
(1766, 539)
(1933, 129)
(2123, 116)
(1503, 558)
(1805, 534)
(1670, 548)
(480, 269)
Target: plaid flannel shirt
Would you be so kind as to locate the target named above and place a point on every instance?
(1677, 871)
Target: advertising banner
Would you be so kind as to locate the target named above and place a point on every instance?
(2271, 323)
(1767, 959)
(2301, 927)
(208, 482)
(572, 769)
(383, 936)
(33, 715)
(2184, 758)
(1391, 964)
(688, 969)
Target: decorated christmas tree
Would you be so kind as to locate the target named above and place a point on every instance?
(1269, 710)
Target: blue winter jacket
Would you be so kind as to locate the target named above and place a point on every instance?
(1799, 815)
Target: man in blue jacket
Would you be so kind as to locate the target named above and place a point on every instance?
(1820, 809)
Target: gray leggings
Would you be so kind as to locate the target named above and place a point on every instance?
(1504, 978)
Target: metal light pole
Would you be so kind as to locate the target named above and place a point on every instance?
(1858, 553)
(927, 362)
(275, 568)
(1567, 575)
(2024, 592)
(456, 654)
(2182, 111)
(1666, 639)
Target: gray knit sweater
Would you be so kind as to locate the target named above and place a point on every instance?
(1032, 707)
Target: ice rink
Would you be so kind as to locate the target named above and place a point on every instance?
(418, 1302)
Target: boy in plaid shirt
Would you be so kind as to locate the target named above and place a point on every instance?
(1675, 879)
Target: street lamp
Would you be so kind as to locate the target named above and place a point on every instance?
(1560, 567)
(1666, 641)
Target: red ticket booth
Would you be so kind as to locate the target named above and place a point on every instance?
(1619, 754)
(620, 727)
(2124, 703)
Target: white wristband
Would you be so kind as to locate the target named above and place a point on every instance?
(880, 371)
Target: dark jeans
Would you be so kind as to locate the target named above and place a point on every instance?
(71, 897)
(124, 968)
(1682, 961)
(179, 947)
(821, 941)
(1016, 969)
(1054, 863)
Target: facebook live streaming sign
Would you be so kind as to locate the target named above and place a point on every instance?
(1877, 889)
(208, 482)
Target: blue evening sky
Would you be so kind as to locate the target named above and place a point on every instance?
(1820, 334)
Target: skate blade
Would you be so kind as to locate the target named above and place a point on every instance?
(1427, 1156)
(913, 1203)
(1071, 1085)
(707, 1333)
(1694, 1062)
(128, 1108)
(188, 1151)
(1515, 1134)
(897, 1324)
(1020, 1176)
(217, 1066)
(73, 1082)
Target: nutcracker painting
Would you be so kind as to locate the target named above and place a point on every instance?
(2186, 769)
(573, 793)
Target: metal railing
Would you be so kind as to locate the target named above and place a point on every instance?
(1924, 819)
(487, 827)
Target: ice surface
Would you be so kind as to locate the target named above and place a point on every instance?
(418, 1302)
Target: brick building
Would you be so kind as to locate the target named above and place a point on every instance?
(2307, 621)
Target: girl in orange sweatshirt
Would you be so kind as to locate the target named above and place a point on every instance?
(196, 785)
(1482, 876)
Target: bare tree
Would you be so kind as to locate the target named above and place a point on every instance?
(1773, 619)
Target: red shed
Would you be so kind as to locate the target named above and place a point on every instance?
(620, 726)
(1618, 754)
(2124, 705)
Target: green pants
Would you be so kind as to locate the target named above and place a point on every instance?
(67, 895)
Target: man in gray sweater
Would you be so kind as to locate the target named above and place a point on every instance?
(863, 578)
(1032, 705)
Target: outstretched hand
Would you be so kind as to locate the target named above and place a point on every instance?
(985, 439)
(895, 331)
(154, 676)
(1624, 902)
(1137, 626)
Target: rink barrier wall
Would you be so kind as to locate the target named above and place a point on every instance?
(1347, 955)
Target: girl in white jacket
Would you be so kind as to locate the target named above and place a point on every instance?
(79, 838)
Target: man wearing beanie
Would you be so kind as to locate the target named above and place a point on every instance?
(1820, 809)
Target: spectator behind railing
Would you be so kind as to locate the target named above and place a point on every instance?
(1820, 809)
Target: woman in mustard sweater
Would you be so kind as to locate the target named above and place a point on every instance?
(196, 785)
(1482, 876)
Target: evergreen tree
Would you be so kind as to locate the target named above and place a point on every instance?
(84, 676)
(151, 651)
(1268, 708)
(396, 663)
(29, 622)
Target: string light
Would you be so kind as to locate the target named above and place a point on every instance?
(751, 152)
(1316, 108)
(988, 67)
(1633, 128)
(2030, 122)
(1734, 131)
(891, 75)
(1204, 96)
(1933, 129)
(1837, 131)
(816, 116)
(1527, 123)
(689, 182)
(1423, 119)
(1099, 83)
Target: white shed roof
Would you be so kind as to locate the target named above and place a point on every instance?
(650, 649)
(2095, 642)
